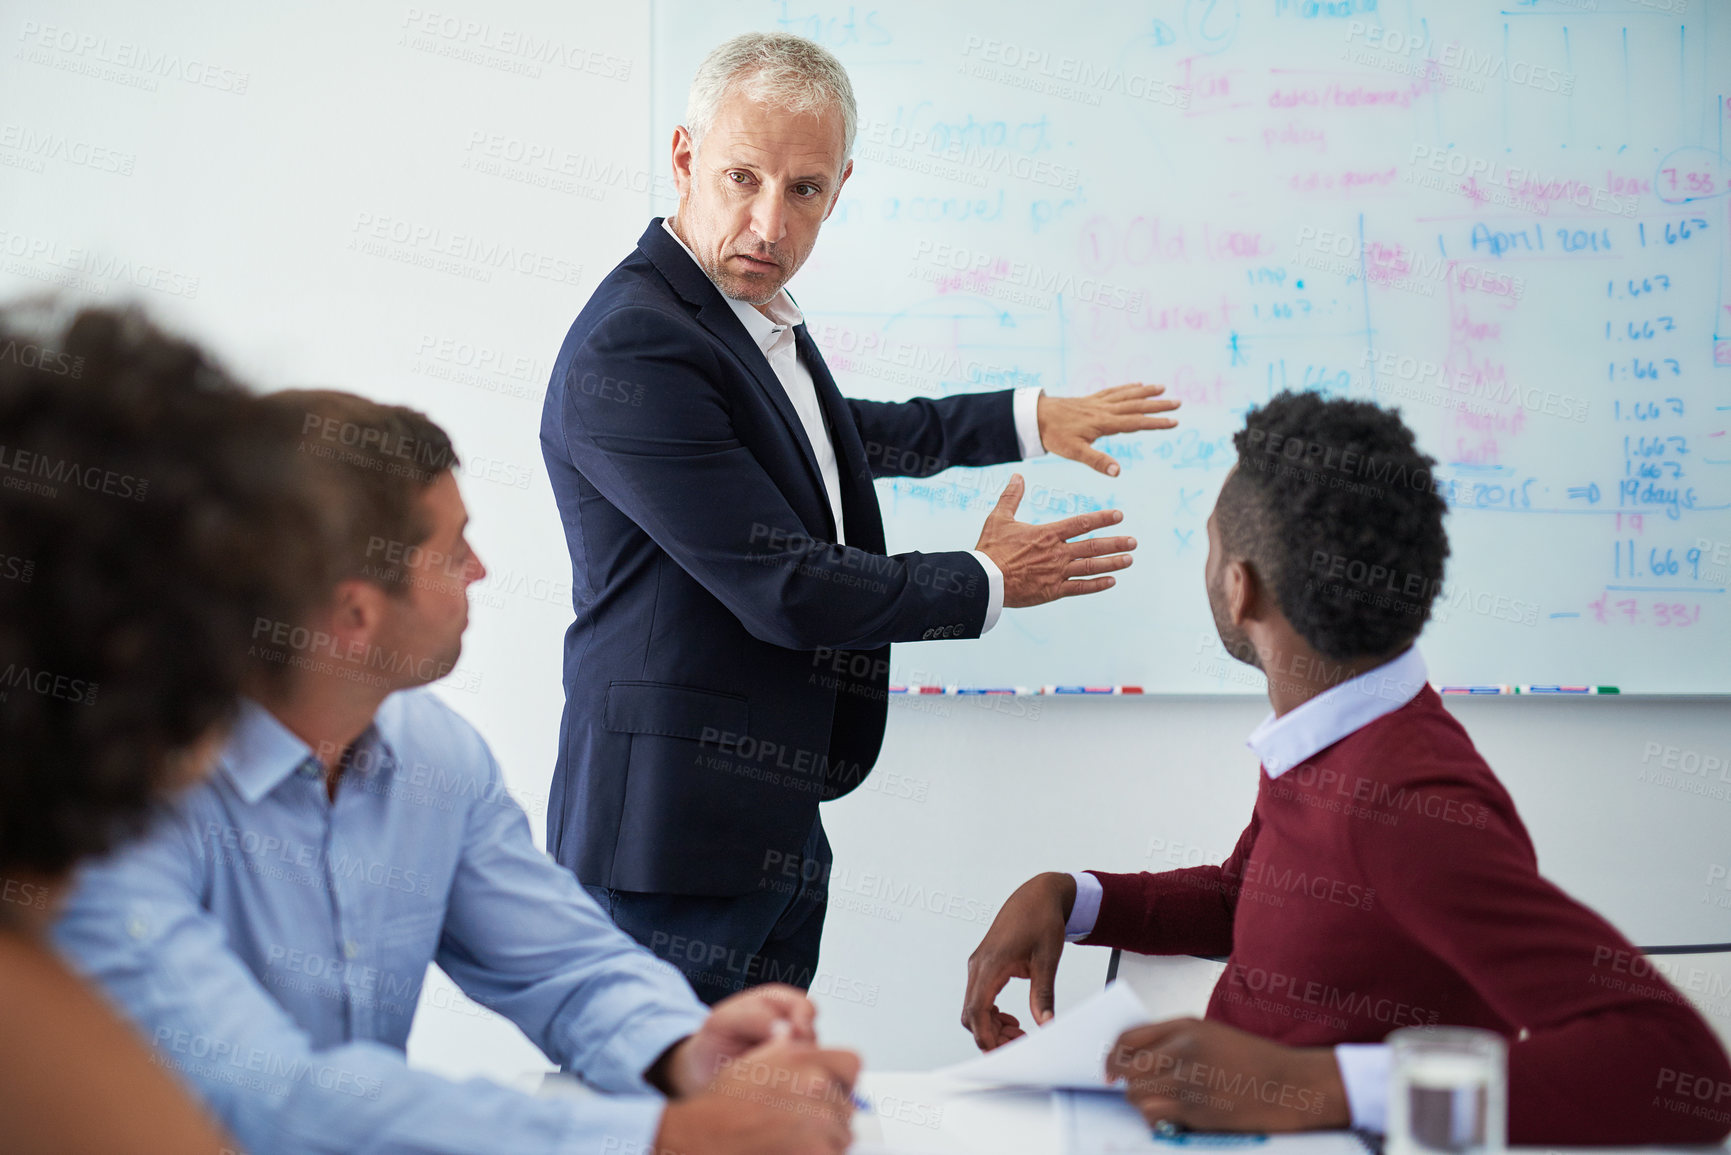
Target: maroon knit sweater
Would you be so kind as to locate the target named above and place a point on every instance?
(1388, 882)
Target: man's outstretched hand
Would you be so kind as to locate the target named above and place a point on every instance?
(1039, 562)
(1070, 425)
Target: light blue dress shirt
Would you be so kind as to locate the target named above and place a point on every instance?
(1282, 743)
(271, 943)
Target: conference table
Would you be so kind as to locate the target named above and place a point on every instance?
(921, 1113)
(918, 1113)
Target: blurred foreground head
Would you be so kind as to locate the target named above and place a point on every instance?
(150, 514)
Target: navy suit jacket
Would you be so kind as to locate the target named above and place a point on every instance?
(728, 666)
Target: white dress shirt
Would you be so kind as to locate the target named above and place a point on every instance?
(773, 334)
(1282, 743)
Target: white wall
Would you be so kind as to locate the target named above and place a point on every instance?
(252, 203)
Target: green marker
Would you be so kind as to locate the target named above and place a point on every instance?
(1567, 690)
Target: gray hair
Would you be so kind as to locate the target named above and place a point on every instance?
(777, 69)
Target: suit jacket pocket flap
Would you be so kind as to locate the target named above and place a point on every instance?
(675, 711)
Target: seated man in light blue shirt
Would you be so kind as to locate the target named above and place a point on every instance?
(270, 933)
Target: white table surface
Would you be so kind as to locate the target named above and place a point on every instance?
(916, 1113)
(920, 1114)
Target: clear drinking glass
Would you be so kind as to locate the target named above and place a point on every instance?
(1447, 1092)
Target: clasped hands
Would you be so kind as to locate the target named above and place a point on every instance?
(1041, 563)
(1200, 1074)
(753, 1081)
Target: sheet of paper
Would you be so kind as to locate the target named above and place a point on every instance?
(919, 1113)
(1094, 1123)
(1070, 1051)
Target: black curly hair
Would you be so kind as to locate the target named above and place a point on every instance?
(150, 514)
(1337, 510)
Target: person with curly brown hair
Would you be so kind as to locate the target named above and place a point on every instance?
(149, 514)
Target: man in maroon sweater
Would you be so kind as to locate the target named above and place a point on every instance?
(1385, 879)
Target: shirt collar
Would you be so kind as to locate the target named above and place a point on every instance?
(764, 331)
(261, 752)
(1285, 741)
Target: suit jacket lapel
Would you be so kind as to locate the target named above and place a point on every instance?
(716, 315)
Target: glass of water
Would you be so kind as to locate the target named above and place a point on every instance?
(1447, 1092)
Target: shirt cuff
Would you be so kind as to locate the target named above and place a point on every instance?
(1364, 1074)
(634, 1047)
(994, 590)
(1026, 407)
(1086, 912)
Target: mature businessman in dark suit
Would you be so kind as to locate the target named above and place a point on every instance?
(728, 666)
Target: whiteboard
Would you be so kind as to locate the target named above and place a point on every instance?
(1511, 220)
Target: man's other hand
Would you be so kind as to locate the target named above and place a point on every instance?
(737, 1025)
(1070, 425)
(1040, 563)
(1024, 942)
(783, 1098)
(1211, 1077)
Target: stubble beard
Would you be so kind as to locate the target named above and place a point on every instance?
(744, 289)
